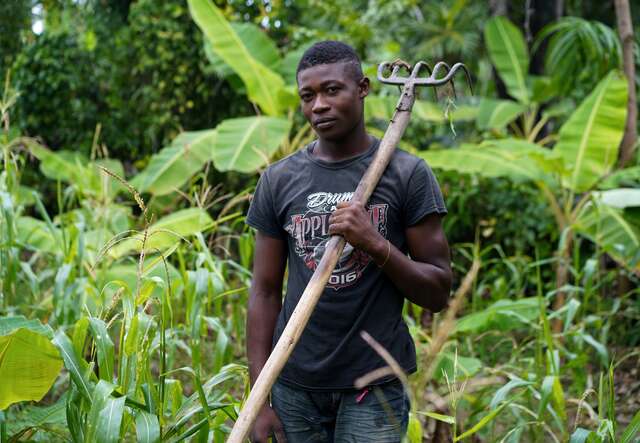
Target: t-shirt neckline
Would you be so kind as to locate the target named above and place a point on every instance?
(340, 163)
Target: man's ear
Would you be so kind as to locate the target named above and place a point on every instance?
(363, 87)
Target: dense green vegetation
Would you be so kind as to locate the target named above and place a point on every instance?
(132, 135)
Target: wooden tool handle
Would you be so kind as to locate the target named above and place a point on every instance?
(316, 285)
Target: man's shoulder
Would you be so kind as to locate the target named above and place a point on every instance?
(404, 162)
(286, 166)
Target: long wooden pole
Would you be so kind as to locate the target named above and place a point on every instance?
(316, 285)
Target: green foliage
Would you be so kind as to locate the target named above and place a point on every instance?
(13, 27)
(579, 52)
(29, 363)
(61, 93)
(509, 55)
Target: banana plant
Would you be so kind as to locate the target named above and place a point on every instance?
(570, 175)
(510, 56)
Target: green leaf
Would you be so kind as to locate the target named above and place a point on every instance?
(582, 435)
(466, 366)
(632, 429)
(588, 142)
(263, 85)
(246, 144)
(110, 420)
(440, 417)
(414, 429)
(501, 315)
(147, 427)
(508, 158)
(619, 198)
(35, 417)
(508, 52)
(75, 366)
(261, 47)
(496, 114)
(29, 364)
(10, 324)
(59, 165)
(167, 231)
(173, 165)
(628, 177)
(501, 394)
(104, 347)
(482, 423)
(608, 227)
(36, 234)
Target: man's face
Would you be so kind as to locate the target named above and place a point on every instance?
(331, 99)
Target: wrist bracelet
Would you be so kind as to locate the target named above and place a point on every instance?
(386, 259)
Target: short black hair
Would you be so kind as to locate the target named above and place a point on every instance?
(331, 51)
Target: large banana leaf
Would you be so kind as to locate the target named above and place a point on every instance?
(166, 232)
(245, 144)
(511, 159)
(170, 168)
(263, 85)
(496, 114)
(261, 47)
(608, 227)
(29, 362)
(588, 141)
(508, 52)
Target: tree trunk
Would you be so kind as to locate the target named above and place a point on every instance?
(559, 9)
(498, 7)
(625, 30)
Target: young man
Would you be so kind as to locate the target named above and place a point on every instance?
(299, 202)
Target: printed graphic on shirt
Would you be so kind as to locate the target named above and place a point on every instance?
(311, 233)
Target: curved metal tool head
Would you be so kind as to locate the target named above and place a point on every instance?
(435, 78)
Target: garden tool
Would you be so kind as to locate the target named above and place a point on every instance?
(440, 74)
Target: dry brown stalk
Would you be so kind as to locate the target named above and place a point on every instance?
(448, 323)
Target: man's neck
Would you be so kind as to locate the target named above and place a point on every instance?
(354, 144)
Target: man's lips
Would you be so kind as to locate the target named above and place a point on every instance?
(324, 123)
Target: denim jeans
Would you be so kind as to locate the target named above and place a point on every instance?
(378, 415)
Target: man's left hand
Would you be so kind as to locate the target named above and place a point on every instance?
(353, 222)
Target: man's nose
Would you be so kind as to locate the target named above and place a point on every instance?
(319, 104)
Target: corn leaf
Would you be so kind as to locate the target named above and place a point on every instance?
(147, 427)
(104, 347)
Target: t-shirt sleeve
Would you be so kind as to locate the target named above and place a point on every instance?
(262, 213)
(423, 195)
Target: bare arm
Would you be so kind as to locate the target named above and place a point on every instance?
(425, 278)
(265, 299)
(265, 302)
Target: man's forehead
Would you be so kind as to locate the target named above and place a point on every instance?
(323, 73)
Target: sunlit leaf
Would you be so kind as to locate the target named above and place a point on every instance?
(245, 144)
(29, 364)
(588, 142)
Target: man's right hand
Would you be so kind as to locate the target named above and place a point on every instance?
(267, 424)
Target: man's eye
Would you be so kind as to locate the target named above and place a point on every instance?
(332, 89)
(306, 97)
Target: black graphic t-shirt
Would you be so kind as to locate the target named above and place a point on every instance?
(293, 201)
